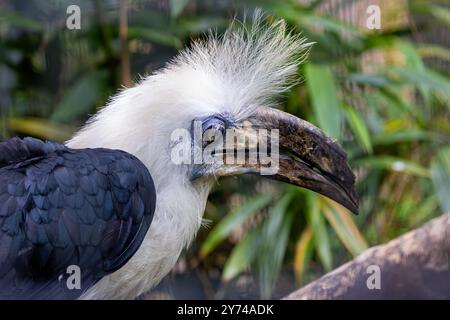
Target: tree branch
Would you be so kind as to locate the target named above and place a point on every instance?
(413, 266)
(125, 74)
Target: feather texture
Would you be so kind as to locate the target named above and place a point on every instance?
(89, 208)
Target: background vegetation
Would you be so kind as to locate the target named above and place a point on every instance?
(383, 94)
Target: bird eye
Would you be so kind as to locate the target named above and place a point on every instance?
(214, 123)
(213, 128)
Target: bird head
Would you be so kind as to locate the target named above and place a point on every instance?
(211, 112)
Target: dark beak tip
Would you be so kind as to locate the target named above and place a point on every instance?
(355, 210)
(349, 204)
(348, 180)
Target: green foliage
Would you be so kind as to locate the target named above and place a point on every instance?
(322, 89)
(241, 256)
(320, 233)
(271, 249)
(358, 127)
(231, 221)
(375, 92)
(80, 98)
(177, 6)
(440, 170)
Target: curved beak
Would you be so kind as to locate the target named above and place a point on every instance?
(298, 153)
(312, 159)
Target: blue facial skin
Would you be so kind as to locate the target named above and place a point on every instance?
(214, 124)
(218, 121)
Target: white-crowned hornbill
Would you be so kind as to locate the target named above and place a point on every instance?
(114, 203)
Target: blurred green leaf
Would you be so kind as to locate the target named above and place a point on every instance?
(428, 79)
(330, 24)
(271, 253)
(403, 136)
(414, 62)
(359, 128)
(322, 89)
(155, 36)
(8, 17)
(177, 6)
(303, 254)
(314, 4)
(393, 164)
(393, 96)
(440, 173)
(232, 220)
(82, 97)
(241, 256)
(441, 13)
(375, 80)
(41, 128)
(434, 51)
(320, 234)
(199, 24)
(413, 59)
(344, 226)
(424, 211)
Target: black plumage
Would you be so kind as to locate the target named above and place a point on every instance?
(60, 207)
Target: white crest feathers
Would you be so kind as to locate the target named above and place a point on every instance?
(251, 64)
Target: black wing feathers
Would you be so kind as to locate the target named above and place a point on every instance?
(16, 150)
(59, 207)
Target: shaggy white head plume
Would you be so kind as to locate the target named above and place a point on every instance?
(234, 73)
(247, 66)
